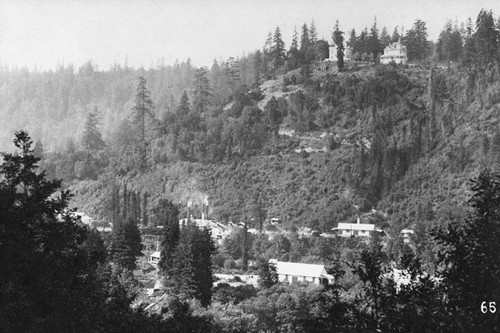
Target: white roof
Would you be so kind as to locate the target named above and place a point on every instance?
(297, 269)
(156, 254)
(356, 226)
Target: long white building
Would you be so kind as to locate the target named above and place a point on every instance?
(292, 272)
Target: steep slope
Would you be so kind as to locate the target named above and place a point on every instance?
(401, 140)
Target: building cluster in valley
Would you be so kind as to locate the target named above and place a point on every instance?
(287, 272)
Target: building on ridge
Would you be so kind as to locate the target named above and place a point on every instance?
(394, 52)
(332, 53)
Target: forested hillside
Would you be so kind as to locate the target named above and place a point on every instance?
(273, 130)
(276, 134)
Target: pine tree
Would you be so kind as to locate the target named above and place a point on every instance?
(257, 65)
(278, 50)
(338, 39)
(470, 260)
(125, 206)
(293, 56)
(190, 272)
(416, 41)
(38, 150)
(43, 264)
(449, 46)
(395, 35)
(385, 39)
(145, 217)
(167, 214)
(305, 44)
(92, 139)
(143, 116)
(267, 274)
(143, 109)
(313, 34)
(201, 94)
(485, 39)
(125, 245)
(373, 40)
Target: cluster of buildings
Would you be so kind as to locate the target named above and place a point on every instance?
(393, 53)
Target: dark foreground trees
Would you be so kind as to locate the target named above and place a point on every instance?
(471, 261)
(186, 262)
(52, 276)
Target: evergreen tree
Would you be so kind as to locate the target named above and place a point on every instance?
(273, 115)
(145, 217)
(486, 39)
(201, 95)
(293, 56)
(385, 39)
(267, 274)
(313, 52)
(38, 150)
(257, 65)
(449, 46)
(338, 39)
(125, 206)
(167, 214)
(373, 41)
(143, 113)
(471, 262)
(43, 262)
(352, 39)
(190, 272)
(305, 44)
(125, 245)
(396, 36)
(278, 50)
(313, 34)
(416, 41)
(92, 139)
(143, 109)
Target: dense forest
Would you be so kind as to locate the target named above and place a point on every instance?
(270, 135)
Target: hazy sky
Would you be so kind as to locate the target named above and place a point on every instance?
(48, 33)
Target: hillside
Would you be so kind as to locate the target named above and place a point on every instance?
(401, 140)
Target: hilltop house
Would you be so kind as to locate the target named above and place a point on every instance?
(394, 52)
(296, 272)
(332, 53)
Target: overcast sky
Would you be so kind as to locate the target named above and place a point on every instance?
(48, 33)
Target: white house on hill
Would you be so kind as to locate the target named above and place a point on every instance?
(394, 52)
(332, 53)
(356, 229)
(296, 272)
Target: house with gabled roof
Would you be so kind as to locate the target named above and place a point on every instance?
(356, 229)
(394, 52)
(293, 272)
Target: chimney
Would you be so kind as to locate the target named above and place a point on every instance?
(203, 212)
(358, 220)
